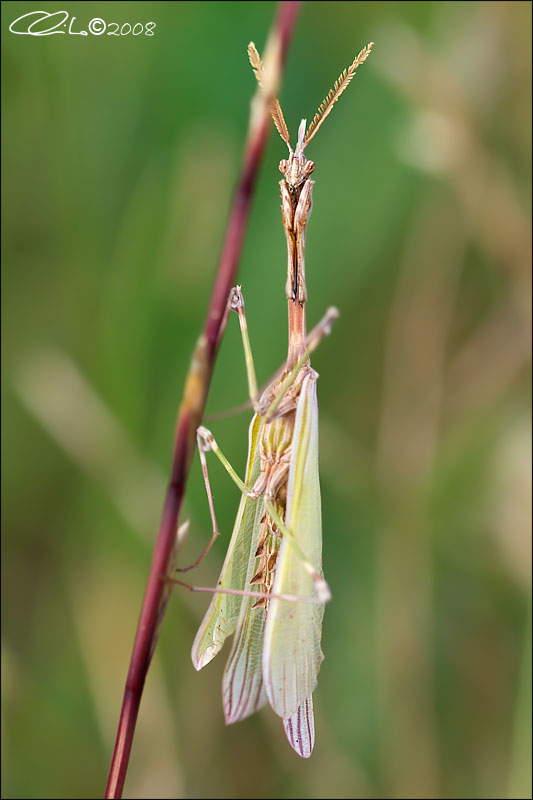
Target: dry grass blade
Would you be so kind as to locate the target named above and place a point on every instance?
(338, 88)
(255, 61)
(274, 106)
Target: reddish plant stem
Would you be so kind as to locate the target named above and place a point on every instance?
(190, 416)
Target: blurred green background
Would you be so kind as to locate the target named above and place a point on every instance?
(120, 156)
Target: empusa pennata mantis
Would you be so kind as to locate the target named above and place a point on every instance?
(271, 591)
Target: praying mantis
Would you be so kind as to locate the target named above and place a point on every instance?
(271, 592)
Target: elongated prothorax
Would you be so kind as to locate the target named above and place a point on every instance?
(296, 191)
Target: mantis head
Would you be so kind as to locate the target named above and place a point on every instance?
(297, 168)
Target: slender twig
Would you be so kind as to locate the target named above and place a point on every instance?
(192, 407)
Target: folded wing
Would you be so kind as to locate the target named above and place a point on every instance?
(222, 615)
(300, 729)
(242, 685)
(291, 653)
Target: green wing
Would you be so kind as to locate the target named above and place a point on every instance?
(300, 729)
(292, 654)
(221, 618)
(242, 685)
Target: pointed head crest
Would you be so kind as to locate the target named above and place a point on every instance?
(301, 137)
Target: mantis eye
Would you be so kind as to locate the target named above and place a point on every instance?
(283, 166)
(309, 167)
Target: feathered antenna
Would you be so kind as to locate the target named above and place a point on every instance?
(338, 88)
(275, 108)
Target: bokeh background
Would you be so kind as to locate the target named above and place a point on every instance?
(120, 156)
